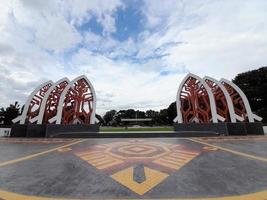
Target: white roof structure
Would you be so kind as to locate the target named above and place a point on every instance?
(233, 117)
(193, 106)
(35, 99)
(72, 102)
(42, 108)
(214, 114)
(251, 116)
(76, 103)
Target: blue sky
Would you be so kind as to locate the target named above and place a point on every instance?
(135, 52)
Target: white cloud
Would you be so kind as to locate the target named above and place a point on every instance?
(218, 38)
(4, 12)
(40, 41)
(232, 39)
(160, 12)
(53, 22)
(126, 83)
(28, 29)
(102, 9)
(58, 35)
(110, 47)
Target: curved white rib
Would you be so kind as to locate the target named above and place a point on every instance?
(22, 117)
(42, 108)
(179, 117)
(244, 98)
(227, 97)
(58, 117)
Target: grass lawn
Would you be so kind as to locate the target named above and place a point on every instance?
(129, 129)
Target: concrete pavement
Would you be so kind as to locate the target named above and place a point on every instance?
(176, 168)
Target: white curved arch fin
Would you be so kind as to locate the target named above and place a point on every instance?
(50, 100)
(201, 82)
(33, 104)
(251, 117)
(217, 87)
(66, 101)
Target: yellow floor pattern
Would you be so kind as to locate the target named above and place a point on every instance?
(153, 178)
(99, 160)
(176, 160)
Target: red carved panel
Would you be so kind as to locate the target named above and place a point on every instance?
(52, 102)
(195, 105)
(239, 106)
(36, 102)
(220, 100)
(78, 104)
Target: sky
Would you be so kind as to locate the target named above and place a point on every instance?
(134, 52)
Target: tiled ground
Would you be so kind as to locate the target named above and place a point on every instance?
(176, 168)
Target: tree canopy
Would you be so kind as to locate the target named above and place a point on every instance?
(254, 84)
(11, 112)
(162, 117)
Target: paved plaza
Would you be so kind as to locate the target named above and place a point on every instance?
(149, 168)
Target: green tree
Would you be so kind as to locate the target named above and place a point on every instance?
(154, 115)
(172, 112)
(130, 113)
(140, 114)
(163, 117)
(254, 85)
(108, 117)
(100, 119)
(11, 112)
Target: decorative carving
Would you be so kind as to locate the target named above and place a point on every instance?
(195, 103)
(239, 106)
(220, 100)
(35, 104)
(208, 100)
(53, 101)
(78, 104)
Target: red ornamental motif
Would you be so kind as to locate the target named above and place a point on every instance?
(195, 105)
(53, 101)
(36, 102)
(220, 100)
(78, 104)
(239, 106)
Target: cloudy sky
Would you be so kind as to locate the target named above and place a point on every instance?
(134, 52)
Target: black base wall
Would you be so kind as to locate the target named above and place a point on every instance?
(18, 130)
(238, 128)
(255, 128)
(181, 130)
(51, 130)
(58, 130)
(218, 128)
(36, 130)
(139, 135)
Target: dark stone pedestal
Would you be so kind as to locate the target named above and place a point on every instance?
(36, 130)
(254, 128)
(208, 128)
(237, 128)
(53, 130)
(73, 130)
(18, 130)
